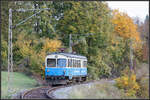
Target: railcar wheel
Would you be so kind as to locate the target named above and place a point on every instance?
(83, 78)
(79, 79)
(74, 81)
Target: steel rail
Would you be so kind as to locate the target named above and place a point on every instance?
(26, 92)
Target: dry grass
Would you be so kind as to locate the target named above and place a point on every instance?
(142, 74)
(142, 71)
(102, 90)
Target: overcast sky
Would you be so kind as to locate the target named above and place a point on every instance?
(132, 8)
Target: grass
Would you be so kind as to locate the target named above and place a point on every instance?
(142, 74)
(102, 90)
(20, 82)
(142, 70)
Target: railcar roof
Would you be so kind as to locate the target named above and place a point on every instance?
(68, 55)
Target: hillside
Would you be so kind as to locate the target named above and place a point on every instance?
(20, 82)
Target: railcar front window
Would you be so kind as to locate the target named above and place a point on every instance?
(61, 62)
(51, 62)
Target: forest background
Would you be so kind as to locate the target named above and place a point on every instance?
(107, 50)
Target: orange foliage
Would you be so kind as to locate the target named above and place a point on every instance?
(125, 27)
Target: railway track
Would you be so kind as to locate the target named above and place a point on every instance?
(45, 92)
(36, 93)
(50, 91)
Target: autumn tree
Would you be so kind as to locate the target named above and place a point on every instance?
(124, 26)
(49, 30)
(143, 29)
(27, 46)
(81, 18)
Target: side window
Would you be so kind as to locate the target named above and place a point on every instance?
(84, 63)
(70, 62)
(76, 63)
(79, 63)
(73, 63)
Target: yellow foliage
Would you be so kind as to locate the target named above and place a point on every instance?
(130, 93)
(125, 83)
(37, 59)
(125, 78)
(133, 77)
(125, 27)
(128, 83)
(24, 46)
(144, 88)
(51, 45)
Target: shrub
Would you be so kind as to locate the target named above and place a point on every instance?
(93, 72)
(35, 51)
(129, 84)
(144, 88)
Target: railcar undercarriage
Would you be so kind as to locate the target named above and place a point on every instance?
(57, 80)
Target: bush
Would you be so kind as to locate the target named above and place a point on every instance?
(93, 72)
(129, 84)
(34, 51)
(142, 73)
(105, 70)
(144, 88)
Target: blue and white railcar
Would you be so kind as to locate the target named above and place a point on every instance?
(61, 68)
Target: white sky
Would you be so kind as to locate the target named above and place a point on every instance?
(132, 8)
